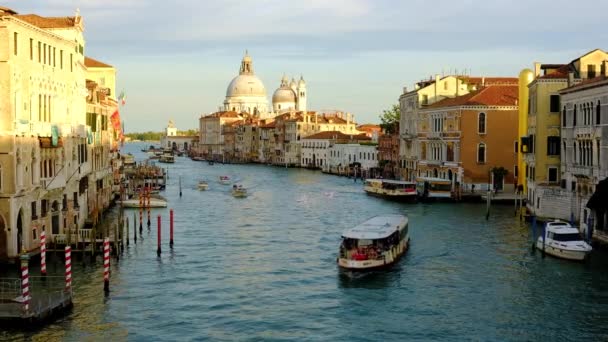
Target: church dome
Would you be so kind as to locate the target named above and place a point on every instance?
(246, 85)
(284, 94)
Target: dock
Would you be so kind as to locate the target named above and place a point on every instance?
(49, 297)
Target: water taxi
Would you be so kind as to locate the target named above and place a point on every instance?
(433, 188)
(202, 185)
(239, 191)
(391, 189)
(376, 243)
(563, 241)
(225, 180)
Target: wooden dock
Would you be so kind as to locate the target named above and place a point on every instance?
(48, 298)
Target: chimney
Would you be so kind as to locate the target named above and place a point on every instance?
(536, 69)
(483, 81)
(570, 79)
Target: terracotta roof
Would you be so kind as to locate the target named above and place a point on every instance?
(93, 63)
(496, 95)
(268, 125)
(585, 84)
(47, 22)
(223, 114)
(478, 80)
(338, 135)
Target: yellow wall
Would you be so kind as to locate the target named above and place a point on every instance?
(104, 77)
(525, 77)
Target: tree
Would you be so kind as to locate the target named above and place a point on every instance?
(389, 119)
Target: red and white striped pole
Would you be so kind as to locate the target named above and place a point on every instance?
(106, 265)
(171, 228)
(43, 253)
(141, 208)
(158, 239)
(68, 268)
(25, 281)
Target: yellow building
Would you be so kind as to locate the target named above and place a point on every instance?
(103, 74)
(542, 144)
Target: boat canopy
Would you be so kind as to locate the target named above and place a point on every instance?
(378, 227)
(560, 227)
(433, 180)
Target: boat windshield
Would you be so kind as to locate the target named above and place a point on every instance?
(567, 237)
(440, 186)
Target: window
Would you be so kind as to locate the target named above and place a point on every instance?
(72, 63)
(516, 146)
(425, 99)
(54, 56)
(39, 52)
(76, 206)
(44, 53)
(564, 117)
(598, 113)
(554, 103)
(552, 174)
(574, 117)
(481, 123)
(481, 153)
(31, 49)
(61, 59)
(516, 171)
(34, 214)
(15, 42)
(553, 145)
(590, 70)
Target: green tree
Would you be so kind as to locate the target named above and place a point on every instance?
(389, 119)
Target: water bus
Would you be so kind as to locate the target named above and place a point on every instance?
(376, 243)
(563, 241)
(433, 188)
(239, 191)
(390, 189)
(167, 158)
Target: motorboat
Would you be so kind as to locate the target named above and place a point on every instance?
(376, 243)
(225, 180)
(239, 191)
(434, 188)
(155, 202)
(202, 185)
(167, 158)
(562, 240)
(391, 189)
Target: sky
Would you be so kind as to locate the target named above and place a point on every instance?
(176, 58)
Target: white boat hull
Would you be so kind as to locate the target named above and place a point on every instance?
(577, 255)
(203, 187)
(393, 194)
(239, 194)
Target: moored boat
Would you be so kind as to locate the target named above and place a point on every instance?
(167, 158)
(376, 243)
(434, 188)
(563, 241)
(155, 202)
(239, 191)
(225, 180)
(391, 189)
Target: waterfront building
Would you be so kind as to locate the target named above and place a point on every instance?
(372, 131)
(542, 145)
(51, 146)
(211, 138)
(462, 139)
(584, 152)
(266, 138)
(318, 149)
(103, 74)
(171, 140)
(388, 154)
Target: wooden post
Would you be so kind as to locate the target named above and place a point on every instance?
(180, 186)
(171, 228)
(489, 193)
(158, 251)
(148, 196)
(127, 228)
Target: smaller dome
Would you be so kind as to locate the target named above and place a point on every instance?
(292, 83)
(301, 82)
(284, 94)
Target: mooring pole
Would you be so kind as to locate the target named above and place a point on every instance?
(180, 186)
(43, 253)
(68, 268)
(488, 204)
(158, 251)
(171, 228)
(148, 192)
(106, 265)
(25, 280)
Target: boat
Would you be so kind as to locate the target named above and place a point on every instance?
(433, 188)
(167, 158)
(390, 189)
(239, 191)
(202, 185)
(198, 158)
(155, 202)
(225, 180)
(563, 241)
(376, 243)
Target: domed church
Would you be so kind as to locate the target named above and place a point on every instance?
(246, 93)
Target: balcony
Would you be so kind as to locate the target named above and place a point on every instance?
(583, 131)
(21, 126)
(579, 170)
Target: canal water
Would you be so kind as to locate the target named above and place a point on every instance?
(263, 268)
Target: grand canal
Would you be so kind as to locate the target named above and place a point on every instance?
(263, 268)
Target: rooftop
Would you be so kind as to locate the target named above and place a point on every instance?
(493, 95)
(93, 63)
(338, 136)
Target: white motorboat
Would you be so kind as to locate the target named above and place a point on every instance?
(167, 158)
(239, 191)
(134, 203)
(391, 189)
(202, 185)
(225, 180)
(563, 241)
(376, 243)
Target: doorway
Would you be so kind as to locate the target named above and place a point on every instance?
(3, 246)
(19, 231)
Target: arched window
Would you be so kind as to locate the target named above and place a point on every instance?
(598, 113)
(575, 155)
(574, 117)
(481, 123)
(481, 153)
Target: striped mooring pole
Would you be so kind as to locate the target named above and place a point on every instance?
(25, 281)
(141, 209)
(106, 265)
(43, 253)
(68, 268)
(148, 196)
